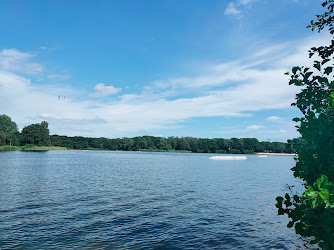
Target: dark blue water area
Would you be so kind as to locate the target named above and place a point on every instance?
(137, 200)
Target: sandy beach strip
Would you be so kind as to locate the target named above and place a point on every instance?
(283, 154)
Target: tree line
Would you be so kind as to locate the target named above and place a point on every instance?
(38, 134)
(195, 145)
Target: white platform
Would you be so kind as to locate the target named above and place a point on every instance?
(229, 158)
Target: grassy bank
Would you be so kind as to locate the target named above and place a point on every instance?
(42, 148)
(9, 148)
(47, 148)
(30, 148)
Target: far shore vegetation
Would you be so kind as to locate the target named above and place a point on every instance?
(36, 137)
(30, 148)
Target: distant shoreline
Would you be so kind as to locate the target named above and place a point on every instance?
(282, 154)
(31, 148)
(48, 148)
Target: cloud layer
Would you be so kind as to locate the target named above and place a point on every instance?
(231, 10)
(255, 127)
(239, 88)
(234, 8)
(15, 61)
(102, 90)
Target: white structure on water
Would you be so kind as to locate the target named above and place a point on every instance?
(228, 158)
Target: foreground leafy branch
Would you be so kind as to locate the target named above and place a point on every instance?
(322, 194)
(312, 213)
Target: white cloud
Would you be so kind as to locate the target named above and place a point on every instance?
(245, 2)
(102, 90)
(59, 76)
(274, 118)
(231, 10)
(58, 120)
(255, 127)
(46, 48)
(233, 89)
(12, 83)
(16, 61)
(234, 8)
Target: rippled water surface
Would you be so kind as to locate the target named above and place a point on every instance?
(131, 200)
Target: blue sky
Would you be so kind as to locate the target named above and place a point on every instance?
(164, 68)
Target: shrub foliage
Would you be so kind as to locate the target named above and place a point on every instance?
(312, 213)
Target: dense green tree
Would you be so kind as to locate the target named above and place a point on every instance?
(56, 140)
(236, 145)
(172, 141)
(312, 213)
(161, 143)
(96, 143)
(112, 144)
(182, 144)
(36, 134)
(278, 147)
(250, 144)
(293, 145)
(126, 144)
(193, 144)
(267, 146)
(215, 145)
(85, 144)
(150, 142)
(203, 145)
(222, 145)
(8, 131)
(139, 143)
(289, 148)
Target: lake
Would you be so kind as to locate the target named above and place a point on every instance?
(131, 200)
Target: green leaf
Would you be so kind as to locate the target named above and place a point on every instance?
(308, 74)
(279, 198)
(328, 70)
(314, 241)
(290, 224)
(281, 211)
(294, 70)
(314, 204)
(325, 191)
(287, 196)
(323, 197)
(322, 181)
(296, 198)
(325, 61)
(317, 65)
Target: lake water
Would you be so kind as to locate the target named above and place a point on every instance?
(131, 200)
